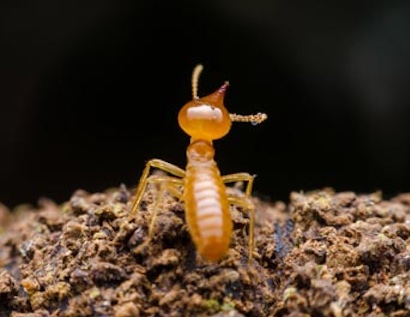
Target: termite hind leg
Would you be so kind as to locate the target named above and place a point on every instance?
(246, 204)
(142, 184)
(238, 177)
(166, 184)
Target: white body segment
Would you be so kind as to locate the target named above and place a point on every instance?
(207, 209)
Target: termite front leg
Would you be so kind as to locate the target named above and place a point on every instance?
(241, 177)
(154, 163)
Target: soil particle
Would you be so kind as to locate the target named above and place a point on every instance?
(323, 254)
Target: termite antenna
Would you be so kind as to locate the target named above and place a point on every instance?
(195, 78)
(252, 118)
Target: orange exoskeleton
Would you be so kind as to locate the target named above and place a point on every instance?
(200, 186)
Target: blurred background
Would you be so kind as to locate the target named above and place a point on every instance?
(90, 90)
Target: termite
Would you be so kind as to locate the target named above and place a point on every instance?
(200, 186)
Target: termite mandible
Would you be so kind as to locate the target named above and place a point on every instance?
(200, 186)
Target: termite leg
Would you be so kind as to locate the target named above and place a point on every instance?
(155, 163)
(238, 177)
(246, 204)
(169, 184)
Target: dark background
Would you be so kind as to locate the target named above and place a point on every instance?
(90, 90)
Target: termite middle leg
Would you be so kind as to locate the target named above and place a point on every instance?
(142, 184)
(170, 184)
(244, 202)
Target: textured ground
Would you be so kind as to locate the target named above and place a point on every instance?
(324, 254)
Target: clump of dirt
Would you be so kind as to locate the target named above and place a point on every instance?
(324, 254)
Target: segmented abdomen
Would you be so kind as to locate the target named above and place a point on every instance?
(207, 210)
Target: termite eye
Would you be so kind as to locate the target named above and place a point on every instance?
(206, 118)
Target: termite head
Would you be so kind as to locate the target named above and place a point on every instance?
(206, 118)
